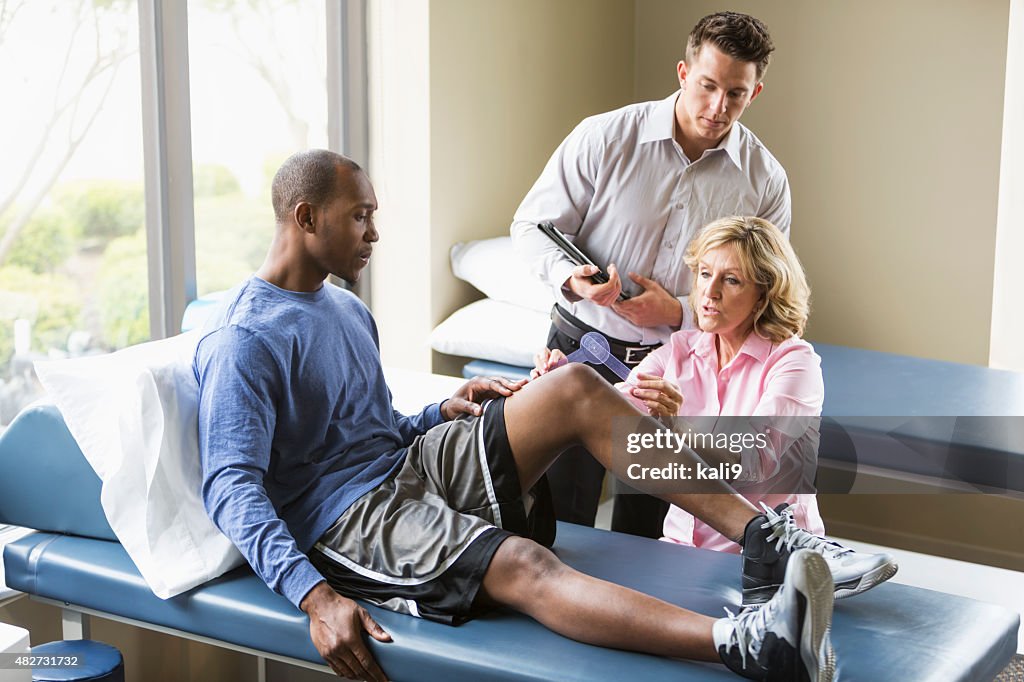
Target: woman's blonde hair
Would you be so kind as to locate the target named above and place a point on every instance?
(768, 260)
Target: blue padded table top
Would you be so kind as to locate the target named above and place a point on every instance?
(490, 368)
(893, 632)
(871, 383)
(962, 424)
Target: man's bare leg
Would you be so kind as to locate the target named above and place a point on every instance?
(531, 579)
(573, 405)
(785, 639)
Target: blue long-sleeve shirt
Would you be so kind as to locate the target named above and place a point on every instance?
(295, 422)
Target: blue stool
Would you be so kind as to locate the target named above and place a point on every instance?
(96, 662)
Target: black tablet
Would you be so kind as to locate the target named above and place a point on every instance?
(574, 254)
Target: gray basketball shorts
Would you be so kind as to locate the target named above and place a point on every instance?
(421, 542)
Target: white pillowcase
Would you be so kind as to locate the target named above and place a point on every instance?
(134, 414)
(493, 330)
(494, 267)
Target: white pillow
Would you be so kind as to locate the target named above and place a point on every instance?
(134, 415)
(493, 330)
(494, 267)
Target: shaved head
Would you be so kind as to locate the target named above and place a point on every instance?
(309, 176)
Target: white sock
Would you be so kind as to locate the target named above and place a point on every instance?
(721, 633)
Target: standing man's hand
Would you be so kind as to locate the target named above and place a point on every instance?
(336, 626)
(653, 308)
(601, 294)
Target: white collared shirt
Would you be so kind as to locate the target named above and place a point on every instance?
(622, 188)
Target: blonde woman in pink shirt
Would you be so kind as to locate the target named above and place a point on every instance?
(750, 300)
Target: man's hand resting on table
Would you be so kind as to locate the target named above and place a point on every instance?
(471, 394)
(336, 625)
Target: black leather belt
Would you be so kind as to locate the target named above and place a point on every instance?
(629, 353)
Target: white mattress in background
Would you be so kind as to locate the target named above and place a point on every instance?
(493, 330)
(412, 390)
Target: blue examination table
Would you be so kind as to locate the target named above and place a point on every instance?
(893, 632)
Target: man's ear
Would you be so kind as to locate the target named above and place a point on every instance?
(681, 71)
(757, 91)
(303, 214)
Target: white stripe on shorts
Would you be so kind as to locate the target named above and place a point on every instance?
(390, 579)
(488, 484)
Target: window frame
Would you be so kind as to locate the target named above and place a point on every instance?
(167, 139)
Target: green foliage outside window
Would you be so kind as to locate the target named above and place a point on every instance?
(104, 209)
(46, 241)
(232, 236)
(213, 180)
(50, 301)
(123, 299)
(92, 239)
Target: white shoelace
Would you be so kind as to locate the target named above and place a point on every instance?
(786, 532)
(748, 628)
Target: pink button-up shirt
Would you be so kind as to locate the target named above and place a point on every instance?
(763, 379)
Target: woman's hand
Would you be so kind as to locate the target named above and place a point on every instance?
(662, 397)
(545, 361)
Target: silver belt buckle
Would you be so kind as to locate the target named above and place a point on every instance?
(641, 351)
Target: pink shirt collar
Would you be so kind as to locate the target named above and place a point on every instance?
(755, 346)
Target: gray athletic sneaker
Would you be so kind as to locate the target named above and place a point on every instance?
(787, 638)
(770, 538)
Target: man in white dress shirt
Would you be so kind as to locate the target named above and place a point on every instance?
(631, 187)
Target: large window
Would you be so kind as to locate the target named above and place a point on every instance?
(273, 53)
(72, 237)
(94, 252)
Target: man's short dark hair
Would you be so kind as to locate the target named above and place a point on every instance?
(740, 36)
(309, 176)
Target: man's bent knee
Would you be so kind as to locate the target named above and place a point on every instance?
(519, 570)
(580, 375)
(590, 393)
(581, 382)
(527, 559)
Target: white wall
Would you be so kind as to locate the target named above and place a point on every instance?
(887, 116)
(888, 119)
(1007, 347)
(470, 98)
(399, 79)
